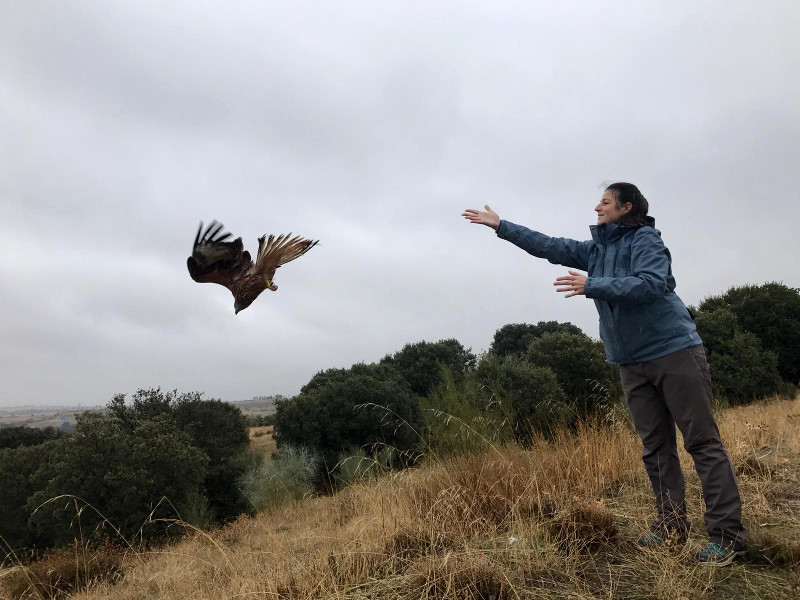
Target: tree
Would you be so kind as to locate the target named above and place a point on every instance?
(740, 368)
(580, 367)
(533, 394)
(217, 428)
(771, 312)
(220, 430)
(13, 437)
(421, 364)
(329, 413)
(515, 338)
(145, 404)
(17, 467)
(125, 475)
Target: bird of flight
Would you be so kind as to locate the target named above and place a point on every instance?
(215, 260)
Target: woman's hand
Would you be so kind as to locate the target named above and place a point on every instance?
(479, 217)
(574, 283)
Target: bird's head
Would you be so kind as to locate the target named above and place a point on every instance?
(245, 296)
(240, 304)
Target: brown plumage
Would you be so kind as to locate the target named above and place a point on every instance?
(215, 260)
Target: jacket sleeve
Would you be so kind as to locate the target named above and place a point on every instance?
(559, 251)
(650, 266)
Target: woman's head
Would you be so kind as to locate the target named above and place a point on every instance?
(622, 203)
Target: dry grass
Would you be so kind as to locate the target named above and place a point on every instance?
(262, 440)
(63, 572)
(555, 521)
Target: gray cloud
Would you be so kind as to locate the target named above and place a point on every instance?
(369, 126)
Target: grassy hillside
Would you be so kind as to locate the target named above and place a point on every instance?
(261, 440)
(556, 521)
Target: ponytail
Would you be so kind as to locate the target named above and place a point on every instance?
(627, 192)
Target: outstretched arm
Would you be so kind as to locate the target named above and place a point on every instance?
(559, 251)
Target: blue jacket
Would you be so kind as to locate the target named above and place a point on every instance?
(630, 281)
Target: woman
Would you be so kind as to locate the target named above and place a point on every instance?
(648, 331)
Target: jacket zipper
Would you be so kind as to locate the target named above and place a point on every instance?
(623, 349)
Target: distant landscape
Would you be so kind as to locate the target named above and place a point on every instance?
(65, 416)
(28, 416)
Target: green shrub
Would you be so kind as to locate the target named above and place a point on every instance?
(530, 393)
(291, 475)
(196, 510)
(356, 465)
(771, 312)
(17, 468)
(363, 407)
(107, 475)
(588, 381)
(515, 338)
(220, 430)
(260, 420)
(14, 437)
(741, 369)
(462, 417)
(420, 364)
(217, 428)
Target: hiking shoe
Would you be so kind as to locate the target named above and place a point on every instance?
(714, 555)
(650, 541)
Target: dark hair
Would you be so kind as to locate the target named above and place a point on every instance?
(627, 192)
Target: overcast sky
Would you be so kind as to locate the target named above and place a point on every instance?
(369, 126)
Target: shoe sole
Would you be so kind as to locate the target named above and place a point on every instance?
(723, 562)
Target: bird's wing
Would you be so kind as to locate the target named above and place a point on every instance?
(214, 260)
(274, 252)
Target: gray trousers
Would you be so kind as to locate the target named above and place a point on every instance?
(676, 389)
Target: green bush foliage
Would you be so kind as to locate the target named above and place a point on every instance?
(220, 430)
(363, 406)
(17, 467)
(162, 455)
(421, 363)
(217, 428)
(356, 465)
(463, 417)
(531, 393)
(588, 381)
(771, 312)
(107, 474)
(14, 437)
(740, 368)
(260, 420)
(515, 338)
(289, 476)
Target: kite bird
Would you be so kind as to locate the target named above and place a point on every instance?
(214, 260)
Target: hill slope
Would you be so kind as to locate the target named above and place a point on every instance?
(555, 521)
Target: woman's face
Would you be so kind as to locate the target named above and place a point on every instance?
(608, 211)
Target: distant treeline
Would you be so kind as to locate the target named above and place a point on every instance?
(137, 467)
(16, 436)
(260, 420)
